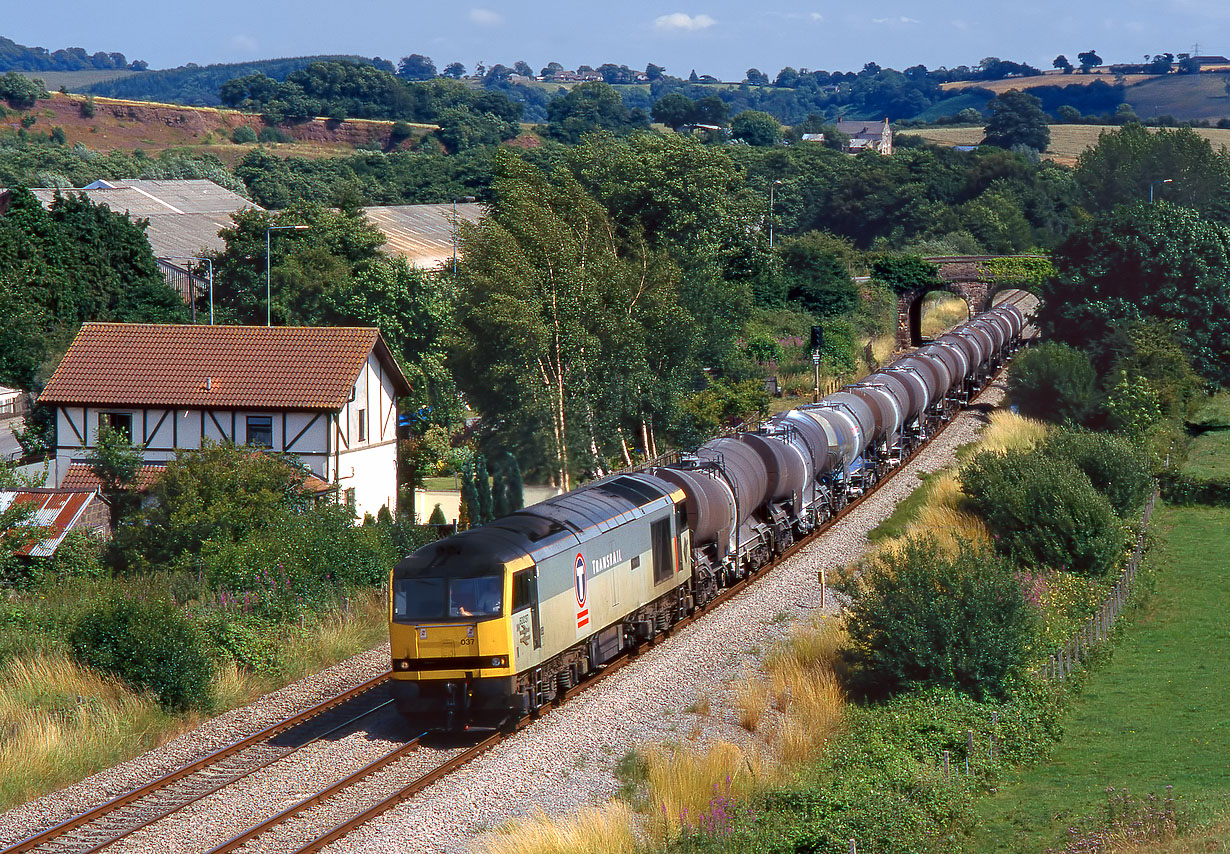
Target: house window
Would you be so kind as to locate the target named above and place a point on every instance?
(121, 422)
(260, 431)
(362, 425)
(348, 497)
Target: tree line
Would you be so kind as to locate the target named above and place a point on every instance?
(18, 57)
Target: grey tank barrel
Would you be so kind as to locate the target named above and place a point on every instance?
(884, 407)
(709, 503)
(850, 438)
(787, 473)
(909, 400)
(951, 361)
(986, 346)
(1014, 317)
(958, 364)
(996, 329)
(915, 384)
(743, 469)
(812, 434)
(968, 346)
(931, 375)
(858, 409)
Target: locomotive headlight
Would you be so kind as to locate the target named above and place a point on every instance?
(499, 661)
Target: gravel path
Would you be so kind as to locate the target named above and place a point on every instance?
(560, 763)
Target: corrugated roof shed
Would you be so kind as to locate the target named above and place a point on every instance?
(56, 511)
(216, 367)
(184, 216)
(424, 234)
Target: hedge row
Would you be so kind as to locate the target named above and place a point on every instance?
(1181, 489)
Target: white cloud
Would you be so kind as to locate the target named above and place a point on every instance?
(895, 21)
(486, 18)
(242, 43)
(678, 22)
(816, 16)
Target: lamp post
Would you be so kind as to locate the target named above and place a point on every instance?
(210, 262)
(1153, 184)
(268, 288)
(457, 231)
(771, 186)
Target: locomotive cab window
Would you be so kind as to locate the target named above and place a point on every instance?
(524, 590)
(660, 539)
(447, 598)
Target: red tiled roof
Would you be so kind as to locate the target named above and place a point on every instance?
(81, 476)
(256, 367)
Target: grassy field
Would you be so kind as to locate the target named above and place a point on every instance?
(1209, 455)
(1025, 83)
(1190, 96)
(1067, 141)
(1154, 716)
(76, 81)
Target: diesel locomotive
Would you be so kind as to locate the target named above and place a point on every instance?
(492, 623)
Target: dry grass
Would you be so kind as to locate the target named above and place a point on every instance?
(942, 312)
(1027, 83)
(1006, 431)
(1068, 142)
(1208, 840)
(751, 700)
(883, 347)
(814, 711)
(683, 783)
(606, 829)
(61, 722)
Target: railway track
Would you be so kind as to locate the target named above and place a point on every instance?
(416, 785)
(113, 821)
(120, 817)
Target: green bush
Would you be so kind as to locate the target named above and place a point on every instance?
(1053, 382)
(150, 645)
(919, 617)
(243, 134)
(272, 133)
(1116, 467)
(1043, 512)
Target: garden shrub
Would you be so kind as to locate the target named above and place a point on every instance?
(150, 645)
(1115, 466)
(921, 618)
(243, 134)
(1043, 512)
(1054, 382)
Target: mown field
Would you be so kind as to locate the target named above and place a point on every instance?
(77, 81)
(1024, 83)
(1152, 717)
(1067, 141)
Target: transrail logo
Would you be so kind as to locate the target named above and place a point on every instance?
(578, 570)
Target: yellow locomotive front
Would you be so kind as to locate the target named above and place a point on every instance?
(450, 634)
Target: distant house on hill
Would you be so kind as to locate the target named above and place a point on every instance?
(867, 136)
(185, 216)
(327, 395)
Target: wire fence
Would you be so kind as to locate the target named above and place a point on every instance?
(1097, 628)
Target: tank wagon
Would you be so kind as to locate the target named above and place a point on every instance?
(490, 624)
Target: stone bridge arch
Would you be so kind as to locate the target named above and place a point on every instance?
(967, 276)
(977, 296)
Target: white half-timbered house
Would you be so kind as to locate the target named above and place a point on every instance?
(327, 395)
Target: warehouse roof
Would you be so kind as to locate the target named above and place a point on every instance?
(424, 234)
(216, 367)
(185, 215)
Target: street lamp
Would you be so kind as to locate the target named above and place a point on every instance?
(457, 231)
(268, 289)
(771, 186)
(210, 262)
(1153, 184)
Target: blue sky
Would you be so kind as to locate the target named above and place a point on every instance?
(718, 37)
